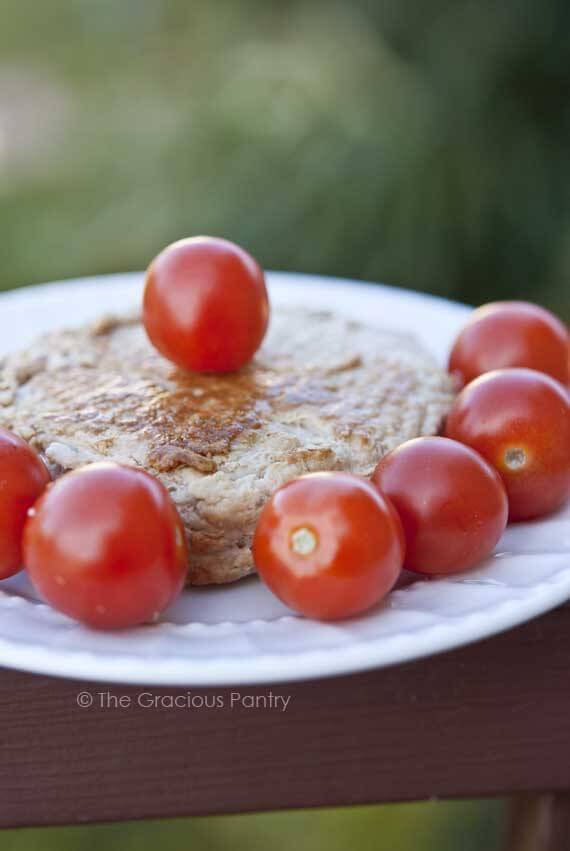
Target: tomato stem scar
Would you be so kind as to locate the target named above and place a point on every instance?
(515, 458)
(303, 541)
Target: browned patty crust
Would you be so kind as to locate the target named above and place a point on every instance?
(323, 393)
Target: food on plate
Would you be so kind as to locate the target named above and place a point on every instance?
(23, 477)
(106, 546)
(323, 393)
(452, 503)
(519, 420)
(511, 334)
(205, 304)
(188, 444)
(329, 545)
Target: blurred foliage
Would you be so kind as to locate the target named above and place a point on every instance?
(459, 826)
(423, 144)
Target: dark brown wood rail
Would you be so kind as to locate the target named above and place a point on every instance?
(489, 719)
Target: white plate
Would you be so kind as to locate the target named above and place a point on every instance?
(241, 633)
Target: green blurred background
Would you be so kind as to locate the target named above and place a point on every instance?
(418, 142)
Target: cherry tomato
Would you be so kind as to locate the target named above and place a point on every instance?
(451, 502)
(329, 545)
(511, 334)
(105, 545)
(23, 476)
(519, 420)
(205, 305)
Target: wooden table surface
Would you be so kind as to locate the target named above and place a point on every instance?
(491, 718)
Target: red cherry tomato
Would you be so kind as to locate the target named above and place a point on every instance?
(519, 420)
(451, 502)
(329, 545)
(105, 545)
(511, 334)
(23, 476)
(205, 304)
